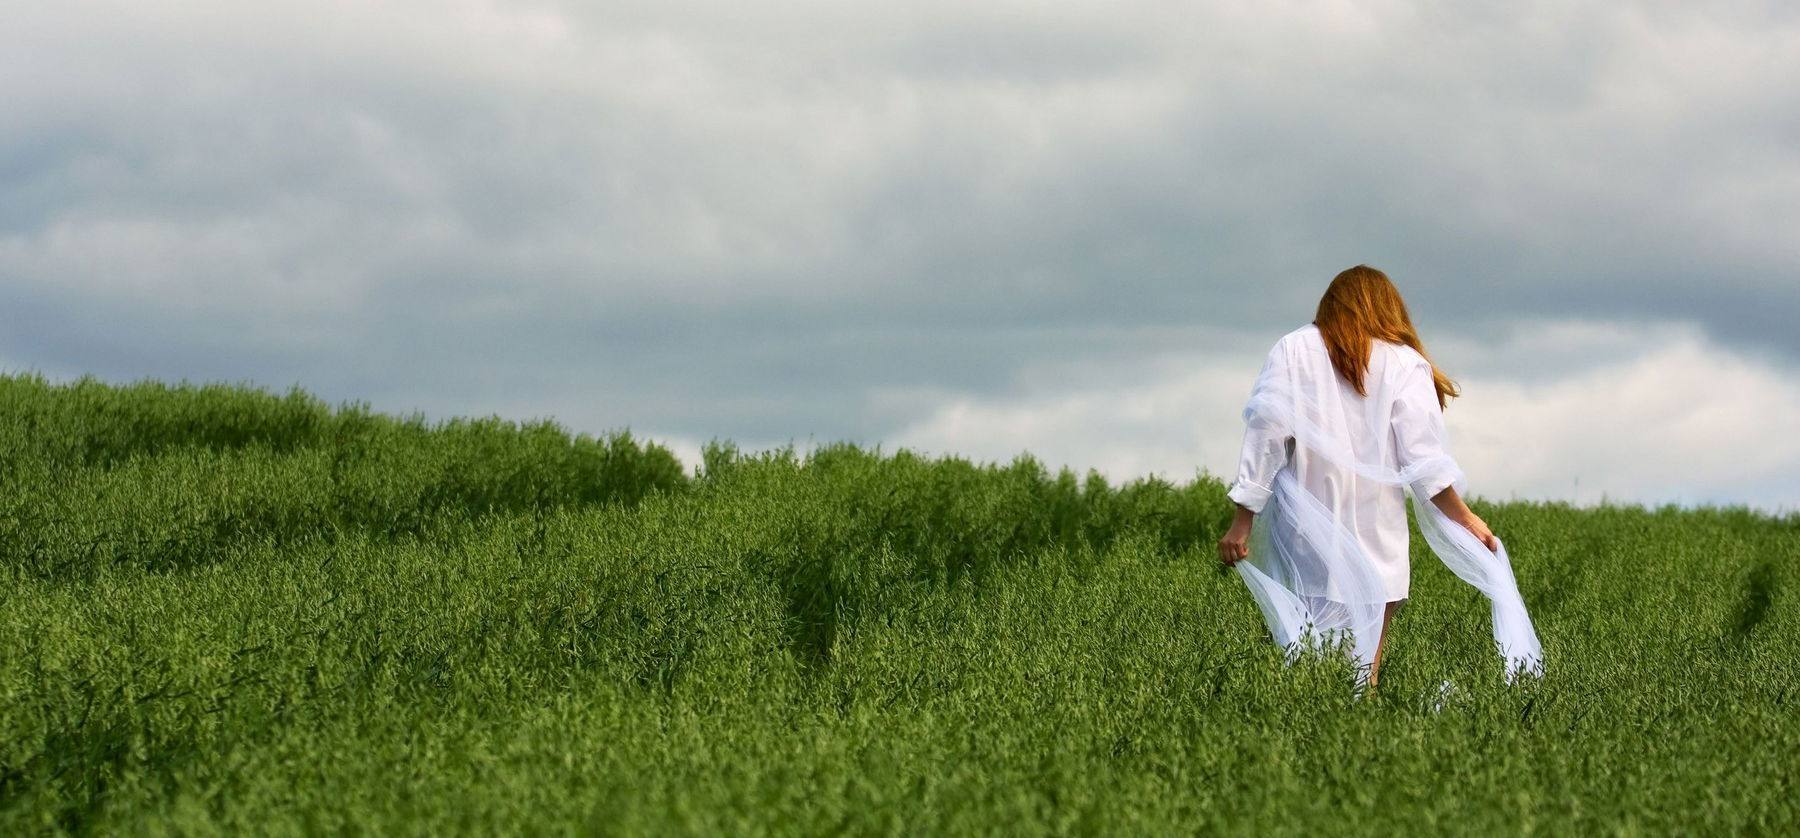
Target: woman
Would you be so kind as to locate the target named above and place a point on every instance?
(1346, 419)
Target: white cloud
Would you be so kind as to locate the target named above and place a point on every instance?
(1681, 420)
(1629, 413)
(1168, 415)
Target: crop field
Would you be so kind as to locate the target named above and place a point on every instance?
(225, 610)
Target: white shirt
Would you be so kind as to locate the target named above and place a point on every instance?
(1398, 424)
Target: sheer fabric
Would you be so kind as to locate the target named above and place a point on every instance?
(1327, 470)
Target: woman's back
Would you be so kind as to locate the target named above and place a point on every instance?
(1385, 431)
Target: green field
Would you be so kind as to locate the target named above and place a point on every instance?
(229, 611)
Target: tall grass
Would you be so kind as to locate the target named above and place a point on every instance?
(224, 610)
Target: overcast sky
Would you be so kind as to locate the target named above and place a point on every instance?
(1072, 228)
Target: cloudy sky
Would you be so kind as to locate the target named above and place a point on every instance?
(1072, 228)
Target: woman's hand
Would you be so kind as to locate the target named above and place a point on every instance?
(1453, 507)
(1235, 545)
(1479, 529)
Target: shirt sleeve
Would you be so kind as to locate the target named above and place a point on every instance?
(1265, 450)
(1420, 441)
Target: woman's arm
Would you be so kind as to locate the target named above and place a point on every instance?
(1452, 505)
(1235, 546)
(1418, 424)
(1419, 435)
(1264, 452)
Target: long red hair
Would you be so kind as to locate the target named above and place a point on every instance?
(1362, 305)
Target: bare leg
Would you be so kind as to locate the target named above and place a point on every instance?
(1386, 618)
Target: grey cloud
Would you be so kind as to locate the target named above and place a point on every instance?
(743, 220)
